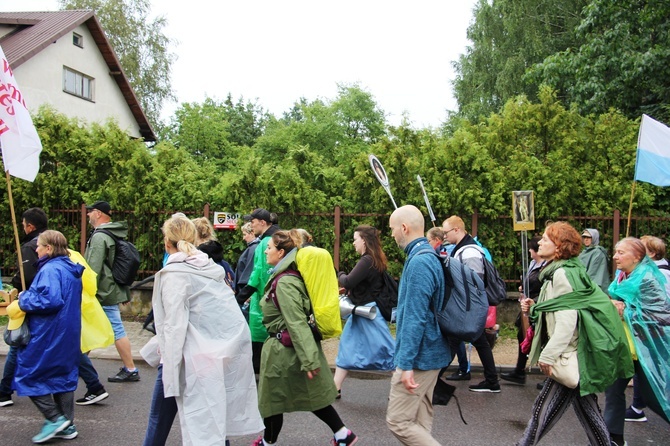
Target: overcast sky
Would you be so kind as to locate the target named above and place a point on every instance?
(277, 52)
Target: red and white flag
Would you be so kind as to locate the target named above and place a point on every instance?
(21, 145)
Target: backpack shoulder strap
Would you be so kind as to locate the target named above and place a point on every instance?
(108, 232)
(111, 255)
(272, 294)
(448, 280)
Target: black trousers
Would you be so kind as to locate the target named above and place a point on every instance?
(485, 353)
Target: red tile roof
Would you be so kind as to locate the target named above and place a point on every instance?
(37, 30)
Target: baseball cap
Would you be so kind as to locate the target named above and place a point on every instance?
(586, 233)
(16, 315)
(102, 206)
(259, 214)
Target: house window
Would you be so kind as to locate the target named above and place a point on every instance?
(78, 40)
(77, 84)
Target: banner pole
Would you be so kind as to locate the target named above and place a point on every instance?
(630, 208)
(16, 230)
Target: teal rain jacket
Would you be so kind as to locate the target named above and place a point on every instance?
(647, 316)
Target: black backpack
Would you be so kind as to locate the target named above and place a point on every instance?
(387, 299)
(126, 260)
(496, 291)
(465, 305)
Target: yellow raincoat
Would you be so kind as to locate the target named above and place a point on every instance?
(96, 330)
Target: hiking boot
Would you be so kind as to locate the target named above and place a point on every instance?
(634, 415)
(92, 397)
(69, 433)
(485, 386)
(5, 400)
(124, 376)
(459, 376)
(50, 429)
(514, 377)
(351, 439)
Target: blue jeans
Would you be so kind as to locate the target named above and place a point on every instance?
(458, 347)
(463, 363)
(89, 375)
(114, 315)
(8, 372)
(161, 415)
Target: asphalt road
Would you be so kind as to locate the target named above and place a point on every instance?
(493, 419)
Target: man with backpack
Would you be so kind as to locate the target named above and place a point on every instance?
(468, 252)
(420, 349)
(264, 224)
(100, 254)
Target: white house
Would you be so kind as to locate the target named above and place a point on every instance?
(63, 58)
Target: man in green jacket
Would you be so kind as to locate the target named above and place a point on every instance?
(100, 252)
(594, 258)
(263, 225)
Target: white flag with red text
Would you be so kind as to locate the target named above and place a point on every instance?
(21, 145)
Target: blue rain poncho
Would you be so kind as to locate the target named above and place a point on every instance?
(647, 318)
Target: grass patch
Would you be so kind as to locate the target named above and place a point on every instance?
(507, 331)
(4, 320)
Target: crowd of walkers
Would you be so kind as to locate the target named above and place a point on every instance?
(236, 349)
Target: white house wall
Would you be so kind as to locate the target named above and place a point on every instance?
(41, 81)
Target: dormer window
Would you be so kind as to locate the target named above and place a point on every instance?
(78, 40)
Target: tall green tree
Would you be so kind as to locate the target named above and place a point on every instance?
(508, 37)
(621, 63)
(141, 46)
(246, 121)
(201, 130)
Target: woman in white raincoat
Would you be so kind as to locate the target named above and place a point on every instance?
(205, 346)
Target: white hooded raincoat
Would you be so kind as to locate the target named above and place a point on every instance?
(205, 346)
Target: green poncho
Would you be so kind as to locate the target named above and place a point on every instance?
(602, 349)
(647, 316)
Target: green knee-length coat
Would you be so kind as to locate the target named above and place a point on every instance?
(283, 384)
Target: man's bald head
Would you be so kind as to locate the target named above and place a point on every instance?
(407, 224)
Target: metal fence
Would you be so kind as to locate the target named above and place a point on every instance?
(334, 231)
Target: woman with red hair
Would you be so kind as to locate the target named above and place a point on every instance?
(571, 315)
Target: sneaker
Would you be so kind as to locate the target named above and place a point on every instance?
(5, 400)
(540, 385)
(459, 376)
(258, 442)
(514, 377)
(348, 441)
(92, 397)
(50, 429)
(124, 376)
(633, 415)
(339, 395)
(485, 386)
(69, 433)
